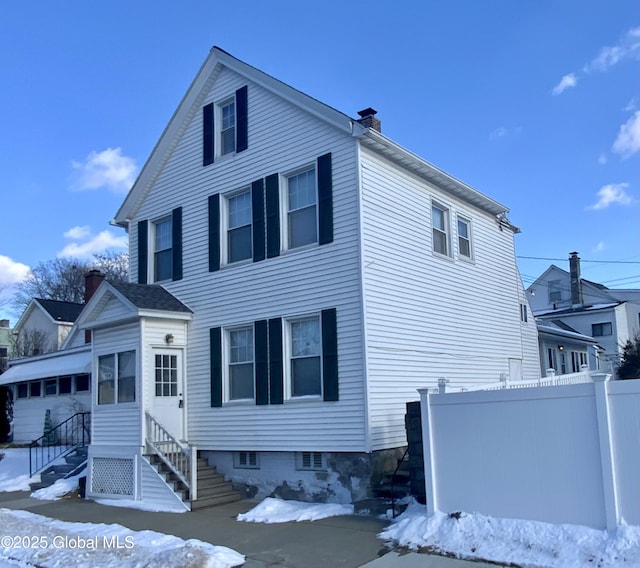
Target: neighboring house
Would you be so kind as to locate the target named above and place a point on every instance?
(296, 277)
(565, 350)
(609, 316)
(5, 344)
(58, 377)
(43, 326)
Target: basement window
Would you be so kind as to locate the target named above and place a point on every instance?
(246, 460)
(310, 461)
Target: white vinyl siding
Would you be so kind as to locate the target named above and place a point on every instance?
(299, 281)
(428, 319)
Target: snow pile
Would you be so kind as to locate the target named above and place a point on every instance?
(48, 542)
(14, 470)
(279, 511)
(59, 489)
(530, 544)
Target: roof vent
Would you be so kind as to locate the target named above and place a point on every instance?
(368, 119)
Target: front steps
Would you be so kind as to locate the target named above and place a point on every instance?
(74, 463)
(212, 488)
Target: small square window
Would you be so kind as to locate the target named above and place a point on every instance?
(312, 461)
(51, 387)
(440, 226)
(246, 460)
(35, 388)
(23, 390)
(64, 385)
(82, 383)
(601, 329)
(302, 215)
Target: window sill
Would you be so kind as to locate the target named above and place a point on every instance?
(240, 402)
(442, 256)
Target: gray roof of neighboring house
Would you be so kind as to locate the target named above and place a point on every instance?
(150, 297)
(61, 311)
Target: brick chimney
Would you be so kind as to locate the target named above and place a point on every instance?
(368, 119)
(92, 280)
(577, 299)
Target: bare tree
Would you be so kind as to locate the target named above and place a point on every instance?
(63, 278)
(30, 342)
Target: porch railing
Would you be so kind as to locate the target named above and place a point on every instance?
(59, 441)
(178, 457)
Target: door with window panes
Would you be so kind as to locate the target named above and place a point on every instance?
(168, 390)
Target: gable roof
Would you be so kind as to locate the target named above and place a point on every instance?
(150, 297)
(199, 89)
(61, 311)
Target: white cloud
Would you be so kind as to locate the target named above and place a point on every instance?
(12, 272)
(109, 169)
(628, 140)
(94, 244)
(631, 105)
(498, 133)
(599, 247)
(627, 48)
(567, 82)
(610, 194)
(602, 159)
(77, 233)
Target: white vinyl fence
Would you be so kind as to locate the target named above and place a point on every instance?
(568, 453)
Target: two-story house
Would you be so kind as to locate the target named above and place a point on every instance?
(610, 316)
(296, 277)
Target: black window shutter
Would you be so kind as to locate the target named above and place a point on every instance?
(214, 232)
(143, 251)
(330, 355)
(276, 393)
(261, 361)
(325, 200)
(176, 245)
(208, 135)
(273, 216)
(257, 205)
(215, 354)
(242, 123)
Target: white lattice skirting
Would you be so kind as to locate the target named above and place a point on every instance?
(112, 476)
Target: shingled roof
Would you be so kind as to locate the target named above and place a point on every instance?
(150, 297)
(61, 311)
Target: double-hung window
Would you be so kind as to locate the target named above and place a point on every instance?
(162, 252)
(302, 199)
(440, 225)
(464, 238)
(239, 232)
(306, 357)
(241, 366)
(228, 127)
(117, 378)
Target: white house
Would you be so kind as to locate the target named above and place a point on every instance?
(296, 277)
(608, 315)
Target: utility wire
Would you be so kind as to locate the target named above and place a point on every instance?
(581, 260)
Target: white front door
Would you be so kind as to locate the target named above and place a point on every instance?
(168, 401)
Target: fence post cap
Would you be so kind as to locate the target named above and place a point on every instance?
(600, 377)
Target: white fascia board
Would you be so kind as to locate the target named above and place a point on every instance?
(396, 153)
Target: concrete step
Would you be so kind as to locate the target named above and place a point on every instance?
(221, 499)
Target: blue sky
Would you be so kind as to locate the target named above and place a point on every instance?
(534, 102)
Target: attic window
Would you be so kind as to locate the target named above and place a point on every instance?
(228, 128)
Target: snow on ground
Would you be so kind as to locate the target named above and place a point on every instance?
(41, 541)
(278, 511)
(530, 544)
(14, 470)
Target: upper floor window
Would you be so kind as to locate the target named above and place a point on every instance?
(555, 290)
(117, 378)
(464, 237)
(162, 252)
(440, 222)
(239, 234)
(302, 208)
(524, 313)
(228, 127)
(241, 374)
(601, 329)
